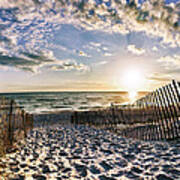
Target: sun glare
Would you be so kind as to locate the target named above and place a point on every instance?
(133, 79)
(132, 95)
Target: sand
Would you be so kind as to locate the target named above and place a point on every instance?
(64, 151)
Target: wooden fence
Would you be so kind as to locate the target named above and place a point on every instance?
(153, 117)
(14, 124)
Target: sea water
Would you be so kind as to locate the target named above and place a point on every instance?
(41, 102)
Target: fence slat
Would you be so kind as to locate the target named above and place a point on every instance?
(11, 124)
(152, 117)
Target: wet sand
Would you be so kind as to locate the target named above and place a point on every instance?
(63, 151)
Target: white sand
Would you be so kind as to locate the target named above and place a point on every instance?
(68, 152)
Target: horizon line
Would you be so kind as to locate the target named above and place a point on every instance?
(122, 91)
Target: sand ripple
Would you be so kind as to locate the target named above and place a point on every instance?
(68, 152)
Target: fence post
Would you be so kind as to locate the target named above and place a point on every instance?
(142, 113)
(170, 111)
(153, 115)
(165, 112)
(76, 117)
(147, 128)
(157, 114)
(177, 98)
(23, 121)
(162, 115)
(72, 118)
(113, 116)
(175, 107)
(10, 122)
(32, 121)
(151, 118)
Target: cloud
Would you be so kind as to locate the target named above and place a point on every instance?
(105, 48)
(133, 49)
(100, 63)
(95, 44)
(107, 54)
(161, 77)
(26, 61)
(170, 62)
(153, 17)
(82, 53)
(155, 48)
(67, 65)
(33, 61)
(99, 47)
(157, 80)
(28, 25)
(169, 66)
(16, 62)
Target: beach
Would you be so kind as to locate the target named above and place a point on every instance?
(89, 89)
(65, 151)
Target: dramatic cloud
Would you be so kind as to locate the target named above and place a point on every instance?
(27, 61)
(133, 49)
(28, 25)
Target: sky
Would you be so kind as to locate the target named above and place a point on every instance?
(88, 45)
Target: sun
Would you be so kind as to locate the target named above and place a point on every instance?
(133, 80)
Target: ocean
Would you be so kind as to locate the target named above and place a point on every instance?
(43, 102)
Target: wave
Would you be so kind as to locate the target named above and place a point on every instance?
(60, 101)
